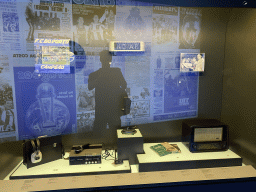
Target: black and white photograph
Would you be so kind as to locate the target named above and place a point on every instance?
(85, 98)
(133, 23)
(85, 121)
(140, 109)
(93, 25)
(7, 116)
(7, 109)
(50, 16)
(158, 96)
(190, 28)
(165, 27)
(192, 62)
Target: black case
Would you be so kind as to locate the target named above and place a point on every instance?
(50, 147)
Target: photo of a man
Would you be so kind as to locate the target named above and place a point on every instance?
(192, 62)
(189, 35)
(30, 18)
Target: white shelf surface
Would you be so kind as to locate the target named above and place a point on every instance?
(151, 156)
(61, 167)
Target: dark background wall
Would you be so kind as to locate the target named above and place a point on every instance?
(239, 82)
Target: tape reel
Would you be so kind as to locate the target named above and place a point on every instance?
(129, 130)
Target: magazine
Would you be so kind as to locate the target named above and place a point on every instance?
(165, 149)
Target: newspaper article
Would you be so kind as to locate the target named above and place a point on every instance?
(40, 19)
(10, 32)
(137, 76)
(85, 108)
(174, 93)
(10, 35)
(158, 90)
(85, 99)
(7, 111)
(180, 91)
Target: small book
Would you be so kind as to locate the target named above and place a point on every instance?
(165, 149)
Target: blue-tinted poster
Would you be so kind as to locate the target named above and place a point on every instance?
(46, 103)
(180, 95)
(52, 56)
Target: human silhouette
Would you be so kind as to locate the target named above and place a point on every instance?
(108, 84)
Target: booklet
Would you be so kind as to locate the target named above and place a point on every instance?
(166, 149)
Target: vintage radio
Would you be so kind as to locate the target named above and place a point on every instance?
(202, 135)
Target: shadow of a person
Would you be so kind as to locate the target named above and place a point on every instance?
(108, 83)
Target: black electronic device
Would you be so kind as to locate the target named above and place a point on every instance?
(42, 150)
(204, 135)
(89, 154)
(130, 130)
(129, 144)
(118, 161)
(80, 148)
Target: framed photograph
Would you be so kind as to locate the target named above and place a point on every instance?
(192, 62)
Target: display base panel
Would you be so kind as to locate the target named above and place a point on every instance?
(61, 168)
(151, 161)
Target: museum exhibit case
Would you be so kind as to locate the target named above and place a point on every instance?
(126, 94)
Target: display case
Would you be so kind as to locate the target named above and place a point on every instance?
(59, 77)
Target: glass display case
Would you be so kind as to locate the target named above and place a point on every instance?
(85, 70)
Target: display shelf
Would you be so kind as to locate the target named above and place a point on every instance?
(61, 168)
(151, 161)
